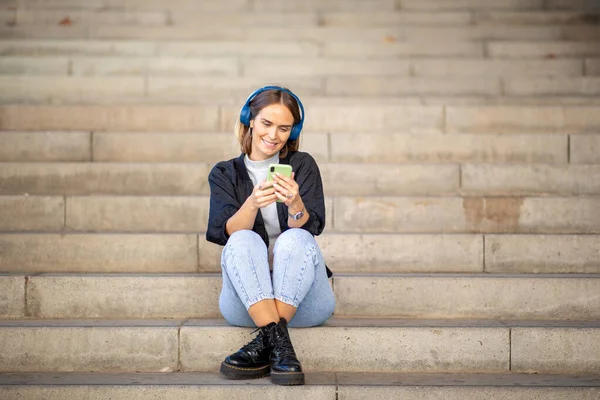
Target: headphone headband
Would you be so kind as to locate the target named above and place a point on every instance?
(246, 113)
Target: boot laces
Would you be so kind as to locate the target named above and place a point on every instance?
(282, 343)
(255, 344)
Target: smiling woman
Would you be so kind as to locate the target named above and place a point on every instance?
(259, 232)
(275, 113)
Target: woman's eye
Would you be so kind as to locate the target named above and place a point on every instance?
(283, 129)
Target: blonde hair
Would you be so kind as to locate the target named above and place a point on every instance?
(262, 100)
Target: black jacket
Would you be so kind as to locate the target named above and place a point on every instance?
(230, 186)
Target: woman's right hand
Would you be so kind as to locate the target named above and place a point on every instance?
(262, 195)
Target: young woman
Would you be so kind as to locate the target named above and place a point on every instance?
(268, 225)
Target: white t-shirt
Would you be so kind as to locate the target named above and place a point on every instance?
(258, 173)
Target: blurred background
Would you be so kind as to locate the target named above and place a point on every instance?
(458, 142)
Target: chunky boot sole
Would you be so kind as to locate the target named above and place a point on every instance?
(287, 378)
(233, 372)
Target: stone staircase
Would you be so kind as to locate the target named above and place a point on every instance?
(458, 141)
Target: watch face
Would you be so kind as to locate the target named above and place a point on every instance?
(297, 216)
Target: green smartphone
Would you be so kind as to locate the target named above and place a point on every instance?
(283, 169)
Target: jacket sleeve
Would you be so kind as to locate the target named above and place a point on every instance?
(311, 192)
(223, 203)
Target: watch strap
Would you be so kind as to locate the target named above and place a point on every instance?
(298, 215)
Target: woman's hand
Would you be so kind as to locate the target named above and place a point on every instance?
(262, 195)
(286, 190)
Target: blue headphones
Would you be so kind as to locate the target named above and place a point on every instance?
(246, 114)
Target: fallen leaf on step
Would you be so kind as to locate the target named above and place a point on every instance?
(66, 21)
(549, 56)
(389, 39)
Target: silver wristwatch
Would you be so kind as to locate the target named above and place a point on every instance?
(298, 215)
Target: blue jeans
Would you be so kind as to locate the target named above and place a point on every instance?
(298, 279)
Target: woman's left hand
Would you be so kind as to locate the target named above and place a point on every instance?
(286, 189)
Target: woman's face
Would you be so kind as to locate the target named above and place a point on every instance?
(271, 129)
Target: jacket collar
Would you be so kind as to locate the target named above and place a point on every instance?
(240, 166)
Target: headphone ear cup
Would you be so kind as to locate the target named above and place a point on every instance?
(296, 129)
(245, 115)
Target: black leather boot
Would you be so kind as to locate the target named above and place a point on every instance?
(285, 367)
(251, 361)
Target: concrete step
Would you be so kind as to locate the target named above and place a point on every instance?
(342, 345)
(386, 253)
(339, 179)
(509, 180)
(176, 214)
(154, 5)
(506, 119)
(45, 146)
(343, 252)
(368, 91)
(376, 116)
(251, 19)
(105, 147)
(592, 66)
(315, 90)
(39, 16)
(128, 90)
(234, 5)
(176, 94)
(488, 86)
(319, 386)
(102, 89)
(441, 5)
(75, 90)
(126, 253)
(408, 148)
(279, 5)
(50, 66)
(188, 214)
(581, 33)
(535, 17)
(320, 33)
(585, 149)
(550, 50)
(588, 5)
(553, 86)
(180, 95)
(441, 48)
(174, 253)
(196, 295)
(509, 86)
(449, 148)
(296, 6)
(191, 179)
(76, 47)
(496, 67)
(468, 296)
(288, 67)
(372, 18)
(137, 48)
(543, 215)
(31, 213)
(377, 17)
(8, 15)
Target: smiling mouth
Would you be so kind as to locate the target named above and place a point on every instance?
(269, 144)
